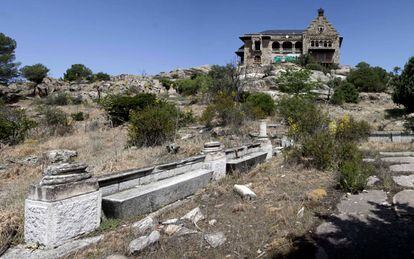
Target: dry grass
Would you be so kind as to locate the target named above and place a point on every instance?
(374, 146)
(269, 223)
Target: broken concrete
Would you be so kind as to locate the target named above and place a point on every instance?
(139, 244)
(244, 191)
(194, 215)
(215, 239)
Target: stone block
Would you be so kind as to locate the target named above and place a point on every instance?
(245, 163)
(152, 196)
(54, 223)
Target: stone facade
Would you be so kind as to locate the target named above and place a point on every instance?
(320, 40)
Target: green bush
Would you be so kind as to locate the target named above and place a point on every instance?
(35, 73)
(368, 79)
(404, 86)
(353, 175)
(119, 107)
(153, 125)
(224, 111)
(324, 143)
(259, 105)
(166, 82)
(101, 76)
(199, 83)
(14, 125)
(345, 92)
(409, 123)
(78, 116)
(78, 72)
(296, 82)
(57, 99)
(55, 121)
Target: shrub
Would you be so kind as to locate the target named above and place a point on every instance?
(368, 79)
(14, 125)
(153, 125)
(345, 92)
(57, 99)
(118, 107)
(325, 143)
(353, 175)
(101, 76)
(35, 73)
(78, 116)
(409, 123)
(224, 111)
(78, 72)
(404, 86)
(194, 85)
(166, 82)
(295, 82)
(259, 105)
(55, 120)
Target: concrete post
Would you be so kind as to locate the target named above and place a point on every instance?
(215, 159)
(65, 204)
(265, 143)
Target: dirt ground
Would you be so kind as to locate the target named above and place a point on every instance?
(266, 226)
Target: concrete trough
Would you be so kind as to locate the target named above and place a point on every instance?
(150, 197)
(246, 162)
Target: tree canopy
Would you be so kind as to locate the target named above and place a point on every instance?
(404, 86)
(35, 73)
(8, 68)
(78, 72)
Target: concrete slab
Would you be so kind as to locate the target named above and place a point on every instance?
(363, 203)
(58, 252)
(398, 159)
(396, 154)
(150, 197)
(244, 163)
(404, 180)
(404, 202)
(402, 168)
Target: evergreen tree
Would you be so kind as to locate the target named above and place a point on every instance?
(8, 68)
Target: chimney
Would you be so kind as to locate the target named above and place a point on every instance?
(320, 12)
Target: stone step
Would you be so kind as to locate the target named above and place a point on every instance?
(402, 168)
(398, 153)
(150, 197)
(246, 162)
(398, 159)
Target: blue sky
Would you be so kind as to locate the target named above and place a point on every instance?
(149, 36)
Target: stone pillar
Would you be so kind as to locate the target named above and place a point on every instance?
(281, 46)
(265, 143)
(65, 204)
(215, 159)
(293, 46)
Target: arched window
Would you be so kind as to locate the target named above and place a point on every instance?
(325, 44)
(287, 45)
(257, 45)
(312, 43)
(257, 59)
(275, 46)
(298, 46)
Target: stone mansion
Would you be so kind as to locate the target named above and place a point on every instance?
(320, 40)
